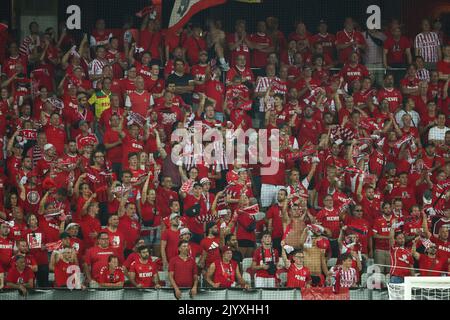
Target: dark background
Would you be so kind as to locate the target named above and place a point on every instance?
(288, 11)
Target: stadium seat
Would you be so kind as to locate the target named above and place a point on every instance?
(163, 276)
(364, 279)
(331, 262)
(283, 278)
(246, 263)
(247, 277)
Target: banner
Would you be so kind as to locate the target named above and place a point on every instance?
(324, 294)
(183, 10)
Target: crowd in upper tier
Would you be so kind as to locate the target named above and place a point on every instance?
(358, 130)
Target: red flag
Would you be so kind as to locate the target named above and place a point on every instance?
(325, 294)
(183, 10)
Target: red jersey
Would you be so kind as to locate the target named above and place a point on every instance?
(265, 256)
(326, 40)
(393, 96)
(19, 277)
(97, 257)
(275, 213)
(144, 272)
(6, 252)
(396, 50)
(350, 73)
(401, 258)
(140, 102)
(344, 37)
(243, 49)
(436, 264)
(131, 230)
(63, 270)
(106, 276)
(330, 219)
(259, 59)
(193, 47)
(151, 42)
(211, 247)
(297, 277)
(382, 227)
(225, 273)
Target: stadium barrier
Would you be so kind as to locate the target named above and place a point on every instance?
(167, 294)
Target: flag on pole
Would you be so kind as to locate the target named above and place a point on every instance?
(183, 10)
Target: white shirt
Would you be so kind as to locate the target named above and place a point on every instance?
(436, 133)
(414, 116)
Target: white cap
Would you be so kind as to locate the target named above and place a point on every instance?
(72, 224)
(205, 180)
(184, 231)
(222, 212)
(48, 146)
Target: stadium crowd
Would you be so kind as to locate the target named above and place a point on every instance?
(88, 183)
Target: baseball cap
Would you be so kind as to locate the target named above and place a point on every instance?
(222, 212)
(209, 225)
(390, 166)
(427, 197)
(72, 224)
(173, 216)
(322, 21)
(197, 185)
(184, 231)
(225, 249)
(241, 170)
(82, 122)
(205, 180)
(64, 235)
(48, 146)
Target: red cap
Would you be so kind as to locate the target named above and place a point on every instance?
(48, 183)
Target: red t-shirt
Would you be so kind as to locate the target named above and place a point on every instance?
(211, 246)
(18, 277)
(225, 273)
(63, 270)
(275, 214)
(97, 257)
(396, 49)
(382, 228)
(144, 272)
(114, 154)
(342, 37)
(183, 271)
(172, 238)
(401, 258)
(297, 277)
(259, 59)
(115, 277)
(193, 47)
(330, 220)
(270, 255)
(437, 264)
(151, 41)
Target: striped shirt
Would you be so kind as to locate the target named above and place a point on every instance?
(423, 75)
(263, 85)
(95, 69)
(428, 46)
(27, 45)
